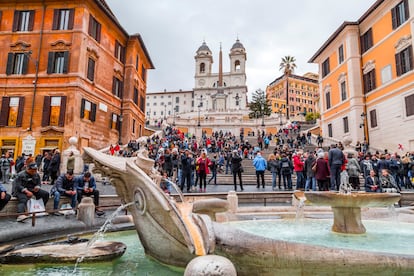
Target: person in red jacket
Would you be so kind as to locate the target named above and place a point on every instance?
(203, 163)
(298, 165)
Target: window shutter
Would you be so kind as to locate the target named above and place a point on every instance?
(394, 18)
(82, 111)
(398, 64)
(56, 14)
(116, 48)
(410, 57)
(4, 114)
(409, 105)
(406, 10)
(62, 111)
(113, 85)
(20, 112)
(66, 62)
(374, 80)
(365, 83)
(50, 59)
(25, 64)
(90, 25)
(9, 68)
(46, 111)
(110, 120)
(31, 20)
(98, 32)
(1, 15)
(123, 54)
(118, 124)
(71, 19)
(16, 21)
(93, 112)
(91, 69)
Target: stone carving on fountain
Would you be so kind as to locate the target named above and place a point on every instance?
(174, 233)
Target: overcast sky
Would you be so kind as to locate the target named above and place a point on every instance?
(173, 30)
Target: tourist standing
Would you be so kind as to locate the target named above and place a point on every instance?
(298, 168)
(186, 170)
(70, 164)
(336, 160)
(213, 167)
(236, 168)
(54, 166)
(273, 163)
(310, 174)
(260, 164)
(322, 172)
(203, 164)
(286, 168)
(354, 171)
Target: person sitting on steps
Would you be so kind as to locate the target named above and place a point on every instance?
(86, 185)
(64, 186)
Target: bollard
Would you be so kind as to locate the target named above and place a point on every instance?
(233, 201)
(86, 211)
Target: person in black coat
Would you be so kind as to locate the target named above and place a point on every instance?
(54, 166)
(236, 169)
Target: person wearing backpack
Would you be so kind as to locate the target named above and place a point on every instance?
(310, 174)
(353, 170)
(273, 164)
(286, 168)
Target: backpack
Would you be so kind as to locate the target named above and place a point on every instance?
(285, 164)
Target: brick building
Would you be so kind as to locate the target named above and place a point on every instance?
(68, 69)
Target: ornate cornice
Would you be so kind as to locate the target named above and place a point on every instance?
(20, 46)
(368, 66)
(402, 43)
(92, 52)
(342, 77)
(61, 45)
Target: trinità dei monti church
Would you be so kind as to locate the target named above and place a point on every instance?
(217, 102)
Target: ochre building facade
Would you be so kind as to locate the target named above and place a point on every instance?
(68, 69)
(367, 78)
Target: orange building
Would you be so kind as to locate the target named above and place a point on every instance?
(69, 69)
(303, 91)
(367, 78)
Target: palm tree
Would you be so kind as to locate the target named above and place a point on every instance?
(287, 66)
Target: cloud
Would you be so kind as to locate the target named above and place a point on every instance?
(269, 30)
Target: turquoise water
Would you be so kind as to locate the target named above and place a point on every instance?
(133, 262)
(381, 236)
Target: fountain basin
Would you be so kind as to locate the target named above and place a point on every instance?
(65, 253)
(347, 207)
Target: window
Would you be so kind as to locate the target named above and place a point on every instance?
(23, 21)
(119, 51)
(409, 105)
(91, 69)
(63, 19)
(330, 130)
(11, 113)
(17, 64)
(177, 99)
(404, 61)
(135, 96)
(341, 57)
(373, 118)
(136, 63)
(58, 62)
(117, 87)
(366, 41)
(133, 125)
(325, 68)
(400, 14)
(343, 90)
(328, 100)
(202, 67)
(115, 122)
(94, 28)
(369, 81)
(346, 125)
(88, 110)
(54, 108)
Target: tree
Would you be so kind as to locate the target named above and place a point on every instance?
(287, 66)
(260, 104)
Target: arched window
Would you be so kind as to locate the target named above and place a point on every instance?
(237, 65)
(202, 67)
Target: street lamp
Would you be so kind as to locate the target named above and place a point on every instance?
(364, 126)
(175, 109)
(263, 124)
(280, 117)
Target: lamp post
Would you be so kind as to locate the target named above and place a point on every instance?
(280, 117)
(365, 129)
(175, 109)
(263, 124)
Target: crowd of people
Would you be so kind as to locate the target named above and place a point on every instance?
(186, 161)
(23, 174)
